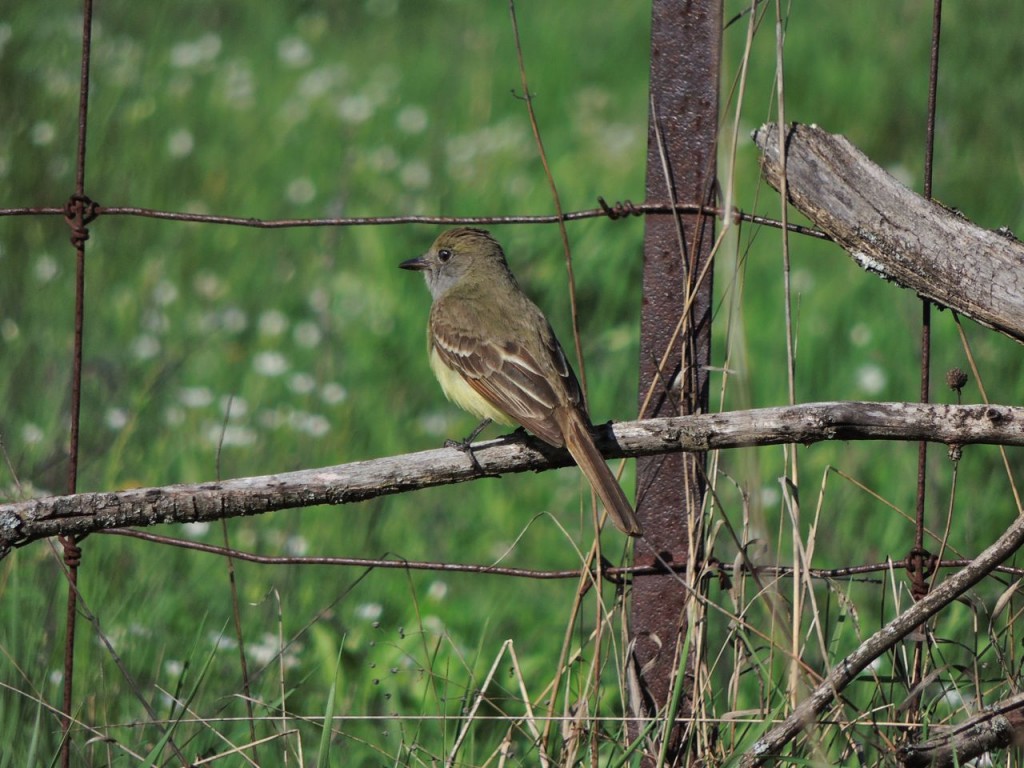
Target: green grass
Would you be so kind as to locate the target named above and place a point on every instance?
(316, 341)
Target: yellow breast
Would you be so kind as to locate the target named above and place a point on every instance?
(459, 392)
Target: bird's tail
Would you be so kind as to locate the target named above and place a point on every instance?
(580, 444)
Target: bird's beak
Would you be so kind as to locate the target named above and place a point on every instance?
(418, 264)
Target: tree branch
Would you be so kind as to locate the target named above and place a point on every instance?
(998, 726)
(887, 229)
(27, 521)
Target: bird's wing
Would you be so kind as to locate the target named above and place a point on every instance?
(506, 374)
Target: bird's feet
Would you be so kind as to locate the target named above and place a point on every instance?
(466, 445)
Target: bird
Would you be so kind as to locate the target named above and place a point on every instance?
(495, 355)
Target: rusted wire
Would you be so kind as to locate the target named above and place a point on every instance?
(78, 212)
(613, 573)
(933, 89)
(920, 562)
(613, 211)
(926, 324)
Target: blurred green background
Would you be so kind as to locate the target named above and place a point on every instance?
(304, 347)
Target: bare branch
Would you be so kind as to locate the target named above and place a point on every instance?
(26, 521)
(889, 230)
(996, 727)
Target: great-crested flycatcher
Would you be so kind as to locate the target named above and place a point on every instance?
(495, 355)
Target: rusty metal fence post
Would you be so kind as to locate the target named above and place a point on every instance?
(675, 339)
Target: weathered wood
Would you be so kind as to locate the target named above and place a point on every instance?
(26, 521)
(998, 726)
(895, 233)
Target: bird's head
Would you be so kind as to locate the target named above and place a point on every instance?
(460, 255)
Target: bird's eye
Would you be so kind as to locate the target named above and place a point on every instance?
(444, 254)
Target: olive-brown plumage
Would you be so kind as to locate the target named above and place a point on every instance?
(495, 355)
